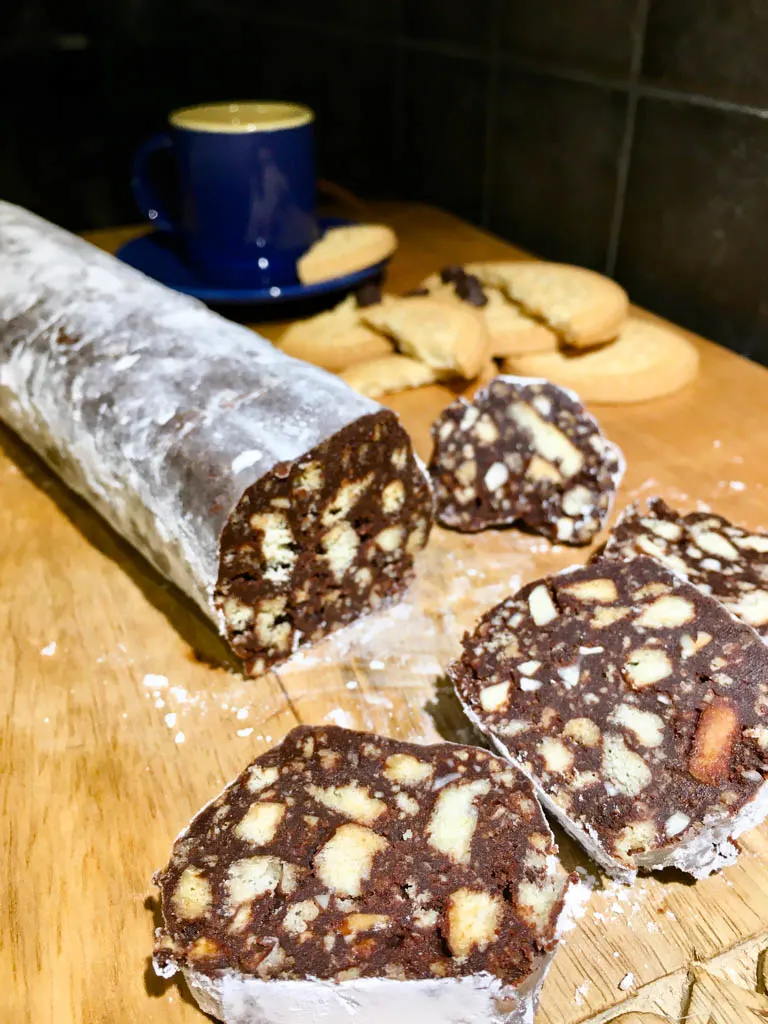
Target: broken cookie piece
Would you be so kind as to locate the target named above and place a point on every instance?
(723, 560)
(637, 705)
(363, 876)
(523, 450)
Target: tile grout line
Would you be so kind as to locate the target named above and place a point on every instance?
(492, 97)
(627, 142)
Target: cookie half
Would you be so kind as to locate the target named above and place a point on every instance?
(582, 307)
(511, 332)
(451, 339)
(346, 250)
(336, 339)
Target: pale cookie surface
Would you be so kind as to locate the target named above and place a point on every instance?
(387, 375)
(721, 559)
(523, 450)
(511, 331)
(638, 706)
(583, 308)
(345, 250)
(342, 856)
(646, 361)
(451, 339)
(336, 339)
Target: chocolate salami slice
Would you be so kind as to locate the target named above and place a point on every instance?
(526, 450)
(365, 877)
(723, 560)
(637, 704)
(284, 504)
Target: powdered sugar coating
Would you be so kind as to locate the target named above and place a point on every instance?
(158, 411)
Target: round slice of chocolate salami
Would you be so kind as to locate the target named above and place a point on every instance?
(723, 560)
(523, 450)
(638, 706)
(280, 501)
(362, 877)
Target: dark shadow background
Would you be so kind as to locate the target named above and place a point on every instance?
(627, 135)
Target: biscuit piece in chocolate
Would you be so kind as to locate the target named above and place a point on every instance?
(527, 450)
(723, 560)
(358, 874)
(636, 703)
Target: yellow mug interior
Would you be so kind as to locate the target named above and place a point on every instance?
(239, 118)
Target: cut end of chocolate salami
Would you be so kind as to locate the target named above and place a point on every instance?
(523, 450)
(637, 705)
(319, 541)
(357, 876)
(281, 502)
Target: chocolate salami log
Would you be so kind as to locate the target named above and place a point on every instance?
(284, 504)
(347, 877)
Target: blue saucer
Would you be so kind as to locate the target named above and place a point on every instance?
(159, 255)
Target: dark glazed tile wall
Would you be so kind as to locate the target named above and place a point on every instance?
(627, 135)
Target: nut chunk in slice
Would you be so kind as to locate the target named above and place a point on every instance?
(723, 560)
(638, 706)
(360, 876)
(523, 450)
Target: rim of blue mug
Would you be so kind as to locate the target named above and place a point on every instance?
(241, 117)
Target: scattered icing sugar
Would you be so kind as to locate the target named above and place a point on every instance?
(49, 650)
(170, 719)
(627, 982)
(245, 732)
(179, 737)
(580, 994)
(737, 485)
(245, 460)
(152, 681)
(376, 664)
(242, 713)
(340, 717)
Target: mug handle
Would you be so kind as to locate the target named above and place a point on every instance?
(144, 190)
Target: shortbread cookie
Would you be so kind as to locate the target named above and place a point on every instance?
(451, 339)
(346, 250)
(347, 877)
(523, 450)
(336, 339)
(646, 361)
(583, 308)
(721, 559)
(388, 375)
(511, 332)
(636, 703)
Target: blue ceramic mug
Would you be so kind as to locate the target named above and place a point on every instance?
(246, 179)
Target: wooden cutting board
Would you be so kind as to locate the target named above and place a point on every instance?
(122, 714)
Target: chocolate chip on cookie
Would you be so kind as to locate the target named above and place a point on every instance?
(469, 289)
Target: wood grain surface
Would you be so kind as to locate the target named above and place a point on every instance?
(122, 714)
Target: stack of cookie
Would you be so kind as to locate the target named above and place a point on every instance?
(562, 323)
(381, 343)
(571, 326)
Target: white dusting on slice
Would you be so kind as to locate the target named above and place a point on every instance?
(155, 682)
(245, 460)
(49, 650)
